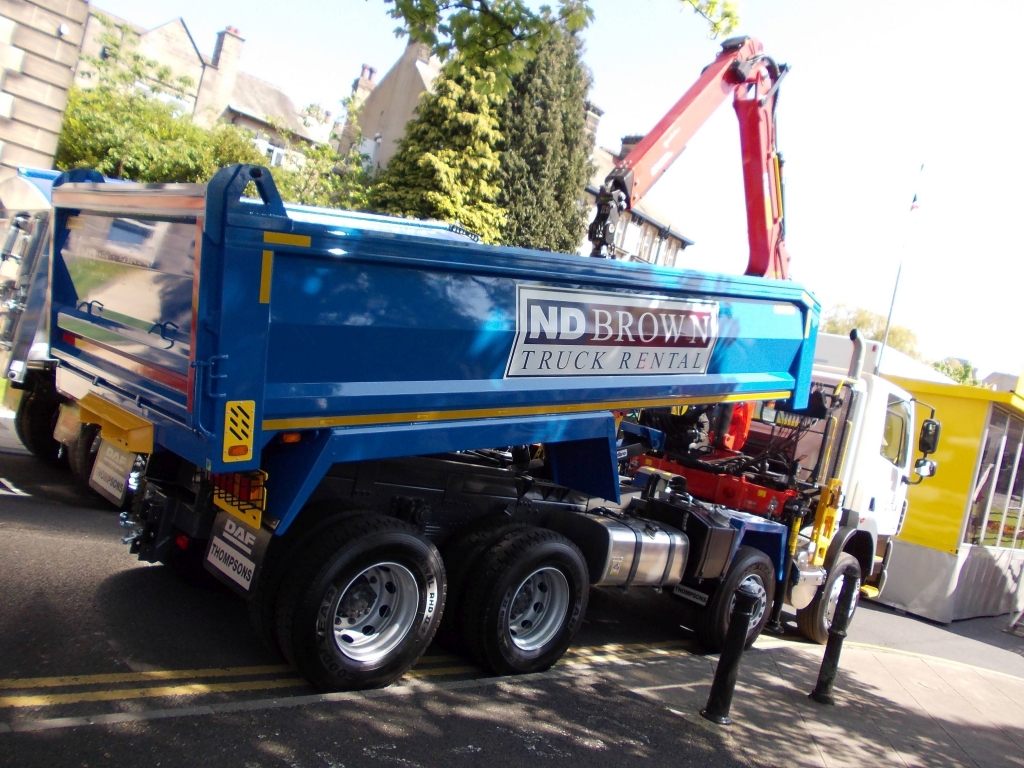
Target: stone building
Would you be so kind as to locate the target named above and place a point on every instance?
(39, 43)
(646, 236)
(387, 106)
(218, 90)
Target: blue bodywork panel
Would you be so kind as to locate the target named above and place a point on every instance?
(757, 532)
(375, 336)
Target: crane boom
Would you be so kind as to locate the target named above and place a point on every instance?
(743, 70)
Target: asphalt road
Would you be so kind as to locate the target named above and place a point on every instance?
(107, 661)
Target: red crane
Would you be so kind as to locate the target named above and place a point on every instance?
(753, 78)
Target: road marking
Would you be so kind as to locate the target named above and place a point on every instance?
(441, 671)
(136, 677)
(191, 689)
(12, 489)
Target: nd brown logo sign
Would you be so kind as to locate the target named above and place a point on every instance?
(595, 333)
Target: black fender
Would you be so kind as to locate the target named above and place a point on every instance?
(858, 542)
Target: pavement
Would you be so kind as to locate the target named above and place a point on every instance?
(105, 661)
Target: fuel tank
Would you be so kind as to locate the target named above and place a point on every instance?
(624, 551)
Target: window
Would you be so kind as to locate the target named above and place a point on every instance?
(895, 442)
(999, 486)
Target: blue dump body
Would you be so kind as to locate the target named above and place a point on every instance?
(224, 322)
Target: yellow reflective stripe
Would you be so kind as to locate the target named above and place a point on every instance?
(281, 238)
(497, 413)
(266, 273)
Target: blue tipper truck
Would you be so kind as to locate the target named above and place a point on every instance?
(376, 428)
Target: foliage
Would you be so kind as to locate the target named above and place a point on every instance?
(447, 164)
(323, 177)
(960, 372)
(545, 155)
(127, 125)
(502, 36)
(842, 319)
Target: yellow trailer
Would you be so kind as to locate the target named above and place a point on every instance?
(960, 551)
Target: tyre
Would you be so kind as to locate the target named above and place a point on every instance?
(815, 620)
(19, 418)
(461, 556)
(35, 421)
(82, 452)
(525, 601)
(360, 604)
(281, 554)
(753, 568)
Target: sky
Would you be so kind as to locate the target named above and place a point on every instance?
(876, 90)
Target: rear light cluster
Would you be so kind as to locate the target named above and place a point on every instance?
(241, 488)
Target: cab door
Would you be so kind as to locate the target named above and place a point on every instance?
(889, 491)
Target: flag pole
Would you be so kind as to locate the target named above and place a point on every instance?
(895, 288)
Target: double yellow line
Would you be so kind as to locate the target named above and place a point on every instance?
(613, 653)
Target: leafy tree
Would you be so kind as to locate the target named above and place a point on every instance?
(960, 372)
(842, 319)
(545, 155)
(128, 126)
(501, 36)
(447, 164)
(323, 176)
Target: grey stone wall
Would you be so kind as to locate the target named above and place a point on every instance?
(39, 45)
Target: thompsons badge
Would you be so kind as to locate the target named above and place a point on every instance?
(596, 333)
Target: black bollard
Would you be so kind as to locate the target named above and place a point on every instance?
(822, 692)
(720, 698)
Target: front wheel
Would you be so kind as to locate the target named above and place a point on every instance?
(525, 601)
(751, 568)
(361, 604)
(815, 620)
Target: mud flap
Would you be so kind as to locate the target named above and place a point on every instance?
(235, 552)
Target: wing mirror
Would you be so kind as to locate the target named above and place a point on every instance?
(925, 468)
(928, 442)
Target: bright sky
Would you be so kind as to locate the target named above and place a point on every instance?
(877, 89)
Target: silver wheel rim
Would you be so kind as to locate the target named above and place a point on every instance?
(538, 609)
(754, 583)
(374, 612)
(833, 599)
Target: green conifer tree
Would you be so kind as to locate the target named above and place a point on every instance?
(546, 149)
(447, 164)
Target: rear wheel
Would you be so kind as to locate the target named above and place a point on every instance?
(461, 556)
(751, 568)
(35, 421)
(525, 601)
(815, 620)
(360, 604)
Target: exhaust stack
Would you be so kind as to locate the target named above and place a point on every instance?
(857, 364)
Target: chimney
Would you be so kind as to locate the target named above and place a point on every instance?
(628, 143)
(228, 49)
(363, 84)
(420, 50)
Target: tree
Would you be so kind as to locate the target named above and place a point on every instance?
(323, 177)
(962, 372)
(842, 319)
(128, 125)
(502, 36)
(545, 153)
(446, 166)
